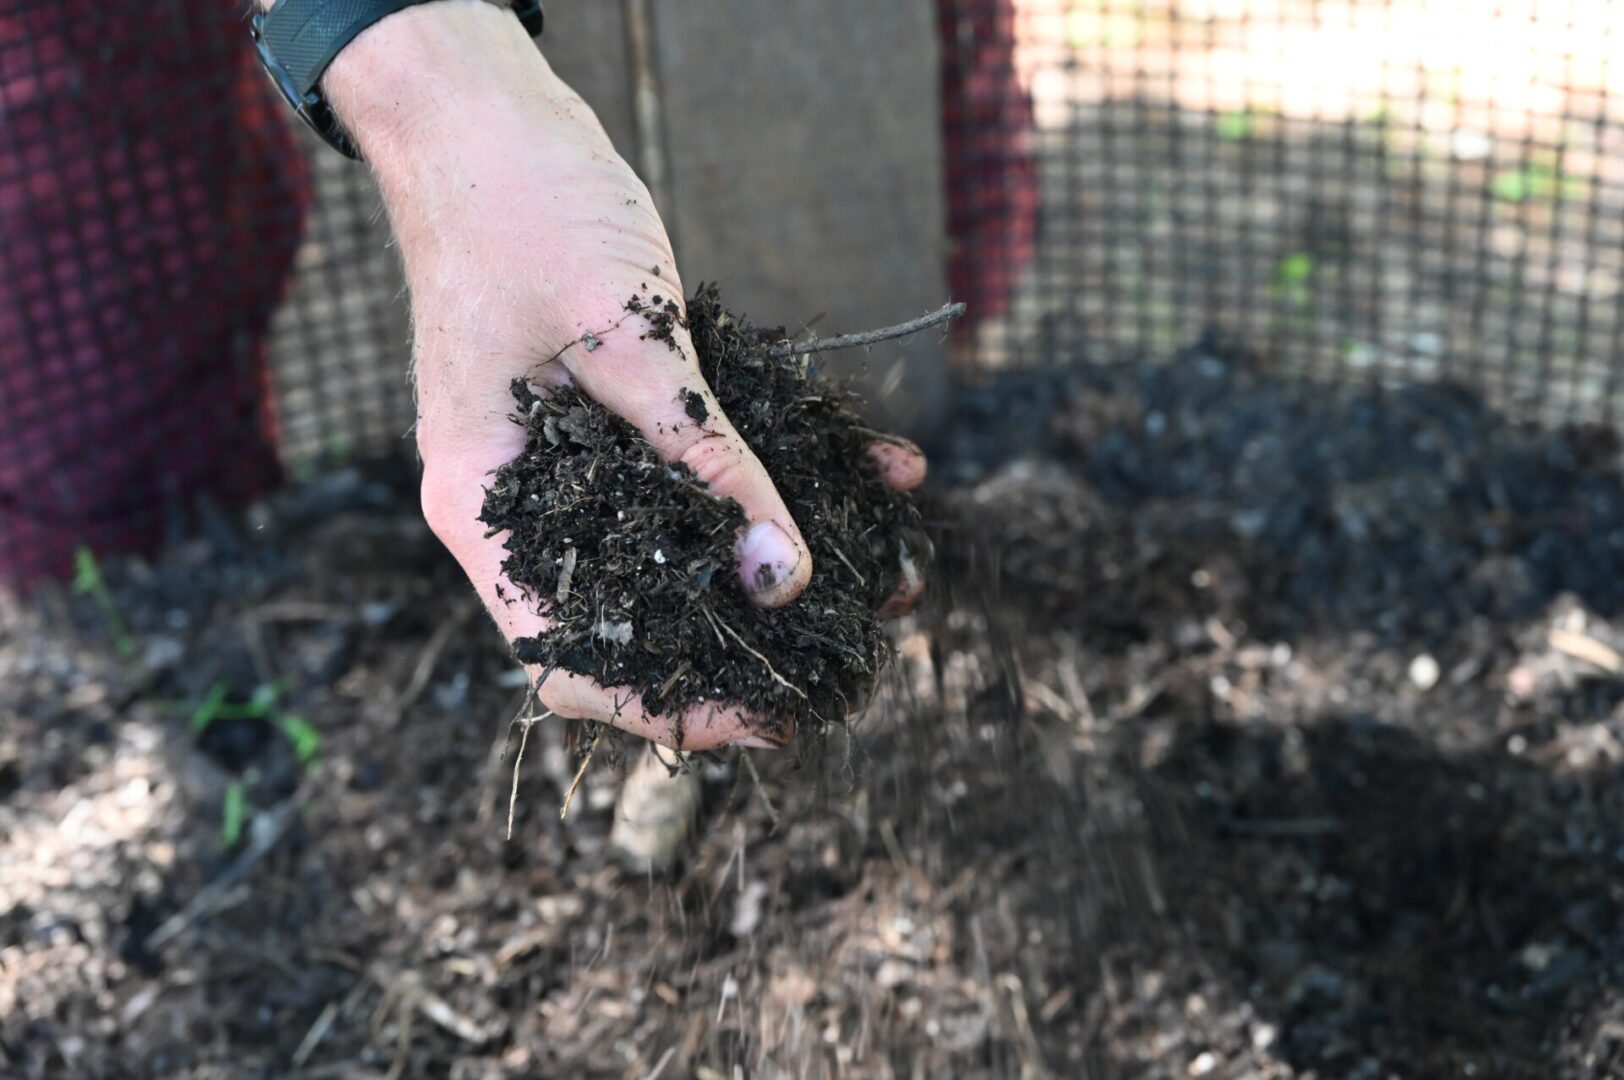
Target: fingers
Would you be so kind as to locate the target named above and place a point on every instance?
(901, 463)
(910, 586)
(659, 390)
(774, 562)
(703, 727)
(451, 496)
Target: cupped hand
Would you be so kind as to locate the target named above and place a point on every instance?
(522, 231)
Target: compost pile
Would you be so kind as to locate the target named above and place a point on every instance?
(1258, 729)
(633, 558)
(1402, 511)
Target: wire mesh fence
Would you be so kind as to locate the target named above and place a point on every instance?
(164, 270)
(1414, 188)
(195, 302)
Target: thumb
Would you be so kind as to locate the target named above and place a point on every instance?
(658, 389)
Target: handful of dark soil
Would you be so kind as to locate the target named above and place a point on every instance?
(633, 559)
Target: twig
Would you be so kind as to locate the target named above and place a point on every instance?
(414, 998)
(398, 1069)
(861, 580)
(566, 575)
(299, 611)
(518, 759)
(1032, 1059)
(946, 313)
(313, 1037)
(1585, 648)
(676, 677)
(1138, 701)
(569, 796)
(426, 661)
(659, 1066)
(590, 338)
(264, 835)
(772, 812)
(785, 683)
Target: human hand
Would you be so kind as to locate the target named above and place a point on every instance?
(521, 230)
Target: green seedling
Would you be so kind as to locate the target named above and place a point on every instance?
(1524, 183)
(1293, 277)
(261, 705)
(1537, 181)
(1234, 126)
(234, 813)
(88, 581)
(302, 734)
(210, 709)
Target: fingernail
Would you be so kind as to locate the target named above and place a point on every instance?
(900, 443)
(766, 557)
(756, 742)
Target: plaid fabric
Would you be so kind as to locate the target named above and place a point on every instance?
(992, 188)
(151, 200)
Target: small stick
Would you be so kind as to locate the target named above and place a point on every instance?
(569, 796)
(566, 575)
(785, 683)
(946, 313)
(426, 662)
(592, 339)
(313, 1037)
(676, 677)
(1588, 649)
(265, 835)
(518, 759)
(861, 580)
(772, 811)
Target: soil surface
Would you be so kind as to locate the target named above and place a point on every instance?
(1258, 729)
(633, 559)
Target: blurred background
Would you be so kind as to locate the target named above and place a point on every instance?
(1265, 720)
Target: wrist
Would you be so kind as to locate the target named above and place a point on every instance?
(415, 83)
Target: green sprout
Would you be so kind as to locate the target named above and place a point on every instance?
(234, 812)
(1293, 277)
(1531, 181)
(88, 581)
(1295, 269)
(1234, 126)
(302, 736)
(1538, 181)
(209, 709)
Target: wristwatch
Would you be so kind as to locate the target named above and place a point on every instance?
(297, 39)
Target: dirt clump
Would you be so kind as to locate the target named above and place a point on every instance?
(633, 558)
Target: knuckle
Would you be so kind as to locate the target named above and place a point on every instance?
(719, 466)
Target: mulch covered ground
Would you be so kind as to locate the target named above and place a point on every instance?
(1259, 728)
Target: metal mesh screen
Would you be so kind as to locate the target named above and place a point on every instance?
(190, 307)
(1414, 188)
(339, 345)
(156, 210)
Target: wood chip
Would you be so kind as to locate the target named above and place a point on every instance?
(1588, 649)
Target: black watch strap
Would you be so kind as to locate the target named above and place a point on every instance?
(297, 39)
